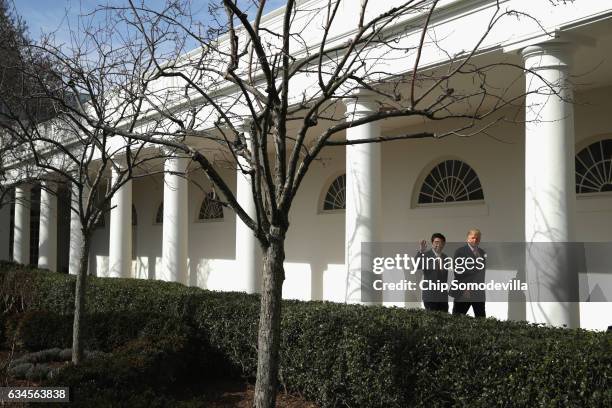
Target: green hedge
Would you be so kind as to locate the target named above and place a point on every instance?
(351, 355)
(41, 329)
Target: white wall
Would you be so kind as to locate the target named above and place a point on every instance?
(212, 251)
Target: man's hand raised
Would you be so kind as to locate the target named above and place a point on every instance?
(422, 246)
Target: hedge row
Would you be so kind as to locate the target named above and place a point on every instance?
(351, 355)
(41, 329)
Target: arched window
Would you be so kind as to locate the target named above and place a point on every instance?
(211, 208)
(594, 168)
(451, 181)
(159, 215)
(335, 198)
(134, 216)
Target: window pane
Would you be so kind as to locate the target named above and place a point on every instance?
(451, 180)
(594, 168)
(335, 199)
(211, 207)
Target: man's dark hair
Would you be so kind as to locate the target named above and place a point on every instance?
(438, 235)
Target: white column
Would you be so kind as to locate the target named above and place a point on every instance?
(176, 220)
(76, 233)
(549, 185)
(248, 252)
(5, 223)
(47, 239)
(120, 240)
(363, 196)
(21, 234)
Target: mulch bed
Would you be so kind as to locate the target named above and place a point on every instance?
(238, 394)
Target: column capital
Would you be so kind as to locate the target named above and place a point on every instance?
(176, 164)
(119, 163)
(360, 103)
(172, 153)
(52, 176)
(548, 55)
(50, 184)
(24, 186)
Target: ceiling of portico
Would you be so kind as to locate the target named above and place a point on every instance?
(592, 68)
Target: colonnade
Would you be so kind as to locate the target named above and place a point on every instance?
(549, 195)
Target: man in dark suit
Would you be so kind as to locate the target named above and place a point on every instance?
(434, 273)
(469, 267)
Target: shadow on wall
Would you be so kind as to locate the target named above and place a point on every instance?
(199, 272)
(144, 267)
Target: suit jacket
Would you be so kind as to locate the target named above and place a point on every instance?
(473, 274)
(435, 273)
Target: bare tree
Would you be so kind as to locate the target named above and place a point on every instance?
(285, 79)
(57, 130)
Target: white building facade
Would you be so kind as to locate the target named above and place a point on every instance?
(544, 176)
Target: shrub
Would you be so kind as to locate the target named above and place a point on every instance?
(9, 330)
(39, 329)
(351, 355)
(140, 373)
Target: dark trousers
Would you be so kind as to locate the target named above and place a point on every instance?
(463, 307)
(437, 306)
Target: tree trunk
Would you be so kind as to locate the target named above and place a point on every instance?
(268, 341)
(79, 302)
